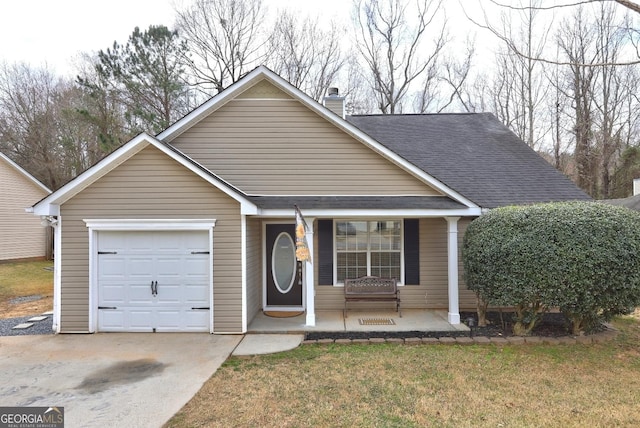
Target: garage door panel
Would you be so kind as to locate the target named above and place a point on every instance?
(197, 265)
(169, 294)
(168, 319)
(196, 295)
(139, 294)
(139, 318)
(125, 278)
(112, 320)
(112, 266)
(194, 320)
(112, 295)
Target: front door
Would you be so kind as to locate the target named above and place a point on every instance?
(284, 277)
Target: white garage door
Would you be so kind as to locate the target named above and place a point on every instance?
(153, 281)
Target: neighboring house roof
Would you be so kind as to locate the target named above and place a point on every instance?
(473, 153)
(632, 202)
(28, 176)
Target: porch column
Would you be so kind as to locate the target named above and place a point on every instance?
(452, 246)
(310, 291)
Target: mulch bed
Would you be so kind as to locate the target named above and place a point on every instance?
(498, 325)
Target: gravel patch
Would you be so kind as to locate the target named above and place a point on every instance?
(23, 299)
(38, 328)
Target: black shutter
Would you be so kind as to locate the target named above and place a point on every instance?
(411, 251)
(325, 252)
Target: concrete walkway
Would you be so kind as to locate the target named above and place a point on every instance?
(257, 344)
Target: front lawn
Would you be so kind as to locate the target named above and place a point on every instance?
(391, 385)
(26, 288)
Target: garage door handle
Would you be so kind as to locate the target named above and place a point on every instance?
(200, 309)
(107, 307)
(154, 288)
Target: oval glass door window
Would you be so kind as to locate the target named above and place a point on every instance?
(283, 262)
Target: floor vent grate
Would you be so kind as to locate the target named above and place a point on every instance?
(376, 321)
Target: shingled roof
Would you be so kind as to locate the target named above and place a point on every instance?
(474, 154)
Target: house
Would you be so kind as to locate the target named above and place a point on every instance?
(22, 236)
(632, 202)
(193, 230)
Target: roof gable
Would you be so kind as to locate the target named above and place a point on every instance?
(263, 76)
(50, 204)
(277, 146)
(4, 160)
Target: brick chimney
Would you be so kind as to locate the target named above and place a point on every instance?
(334, 102)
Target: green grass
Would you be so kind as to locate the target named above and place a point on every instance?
(25, 279)
(389, 385)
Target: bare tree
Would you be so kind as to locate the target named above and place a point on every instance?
(445, 84)
(28, 121)
(612, 88)
(576, 41)
(632, 33)
(305, 54)
(390, 45)
(519, 98)
(224, 39)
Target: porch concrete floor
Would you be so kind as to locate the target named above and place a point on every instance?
(412, 320)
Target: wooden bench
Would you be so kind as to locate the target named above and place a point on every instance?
(371, 288)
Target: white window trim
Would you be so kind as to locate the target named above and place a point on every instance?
(337, 283)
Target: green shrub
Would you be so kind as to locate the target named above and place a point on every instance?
(582, 257)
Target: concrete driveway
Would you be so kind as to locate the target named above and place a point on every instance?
(110, 379)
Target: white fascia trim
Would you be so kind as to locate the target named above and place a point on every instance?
(349, 213)
(45, 209)
(25, 173)
(119, 156)
(150, 224)
(262, 71)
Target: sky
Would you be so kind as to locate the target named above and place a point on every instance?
(54, 32)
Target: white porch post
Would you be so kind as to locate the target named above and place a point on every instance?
(452, 245)
(308, 277)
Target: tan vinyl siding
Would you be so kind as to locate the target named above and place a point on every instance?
(432, 293)
(280, 147)
(263, 89)
(151, 185)
(254, 267)
(21, 234)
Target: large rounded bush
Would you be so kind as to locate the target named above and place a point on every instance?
(582, 257)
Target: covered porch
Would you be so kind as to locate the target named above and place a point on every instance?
(358, 321)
